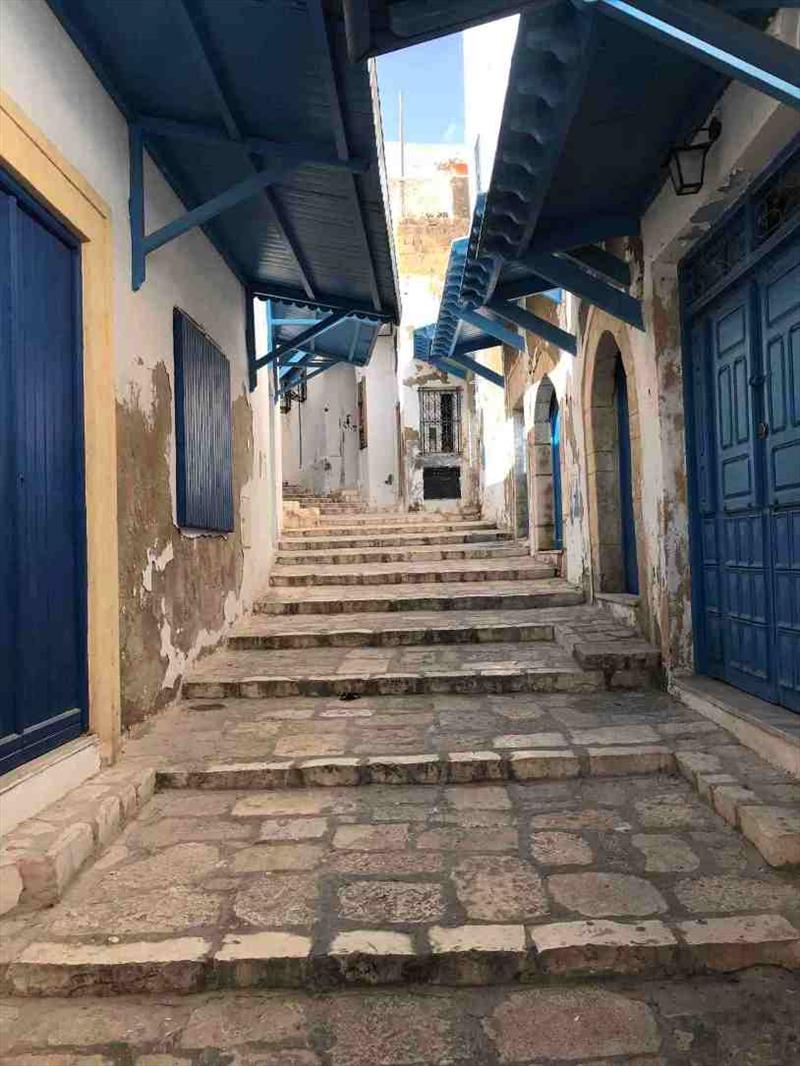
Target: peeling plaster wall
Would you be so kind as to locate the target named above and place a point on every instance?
(179, 592)
(320, 436)
(377, 463)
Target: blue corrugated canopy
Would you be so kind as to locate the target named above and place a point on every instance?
(223, 90)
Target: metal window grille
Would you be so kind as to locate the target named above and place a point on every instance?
(440, 421)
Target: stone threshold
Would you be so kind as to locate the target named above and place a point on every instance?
(395, 636)
(431, 682)
(33, 786)
(474, 954)
(770, 731)
(465, 599)
(42, 855)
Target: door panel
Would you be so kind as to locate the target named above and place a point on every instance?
(745, 374)
(44, 579)
(779, 289)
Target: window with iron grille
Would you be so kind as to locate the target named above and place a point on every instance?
(440, 421)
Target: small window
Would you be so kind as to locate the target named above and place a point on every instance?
(362, 413)
(203, 429)
(441, 483)
(440, 421)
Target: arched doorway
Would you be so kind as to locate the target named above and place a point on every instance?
(546, 469)
(612, 464)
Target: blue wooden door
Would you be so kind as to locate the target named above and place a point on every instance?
(555, 452)
(42, 580)
(745, 369)
(630, 566)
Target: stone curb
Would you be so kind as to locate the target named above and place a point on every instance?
(40, 857)
(450, 956)
(409, 554)
(773, 831)
(395, 539)
(430, 683)
(468, 767)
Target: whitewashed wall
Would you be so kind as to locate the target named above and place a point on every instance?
(49, 80)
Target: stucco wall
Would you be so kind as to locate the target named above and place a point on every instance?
(378, 463)
(178, 591)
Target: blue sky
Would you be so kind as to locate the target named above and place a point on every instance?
(432, 82)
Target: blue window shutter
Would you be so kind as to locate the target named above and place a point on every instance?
(203, 429)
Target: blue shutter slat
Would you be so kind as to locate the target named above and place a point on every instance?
(203, 430)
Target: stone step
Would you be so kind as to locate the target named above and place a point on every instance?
(421, 573)
(422, 553)
(395, 539)
(389, 630)
(450, 596)
(364, 525)
(489, 668)
(534, 881)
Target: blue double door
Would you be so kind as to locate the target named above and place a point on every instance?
(43, 686)
(745, 379)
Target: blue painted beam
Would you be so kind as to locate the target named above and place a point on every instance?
(476, 368)
(136, 205)
(602, 262)
(560, 234)
(490, 325)
(322, 302)
(532, 285)
(572, 277)
(534, 324)
(717, 39)
(300, 154)
(474, 344)
(448, 367)
(321, 326)
(242, 190)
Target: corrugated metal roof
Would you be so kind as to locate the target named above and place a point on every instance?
(269, 69)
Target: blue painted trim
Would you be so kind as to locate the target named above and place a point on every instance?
(555, 458)
(285, 294)
(559, 234)
(250, 339)
(572, 277)
(630, 566)
(496, 329)
(717, 39)
(527, 320)
(474, 344)
(136, 205)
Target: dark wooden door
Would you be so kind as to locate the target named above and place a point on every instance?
(42, 580)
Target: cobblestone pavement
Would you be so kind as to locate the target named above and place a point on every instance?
(748, 1020)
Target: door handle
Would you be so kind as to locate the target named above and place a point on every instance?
(762, 430)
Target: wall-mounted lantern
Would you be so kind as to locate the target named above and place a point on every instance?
(687, 162)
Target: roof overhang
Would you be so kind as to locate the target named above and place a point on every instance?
(264, 129)
(593, 106)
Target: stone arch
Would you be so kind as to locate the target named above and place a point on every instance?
(543, 497)
(608, 362)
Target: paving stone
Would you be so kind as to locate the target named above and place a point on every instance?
(270, 857)
(667, 813)
(486, 798)
(376, 902)
(775, 831)
(390, 1030)
(726, 895)
(371, 837)
(477, 954)
(482, 840)
(80, 1022)
(728, 798)
(499, 889)
(397, 863)
(188, 830)
(598, 895)
(618, 736)
(292, 829)
(583, 819)
(665, 854)
(693, 763)
(278, 901)
(170, 909)
(145, 966)
(561, 849)
(537, 765)
(373, 956)
(530, 740)
(651, 759)
(474, 766)
(45, 875)
(223, 1023)
(181, 864)
(10, 885)
(248, 960)
(275, 804)
(725, 944)
(570, 1025)
(603, 946)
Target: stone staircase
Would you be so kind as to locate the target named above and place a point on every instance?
(424, 769)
